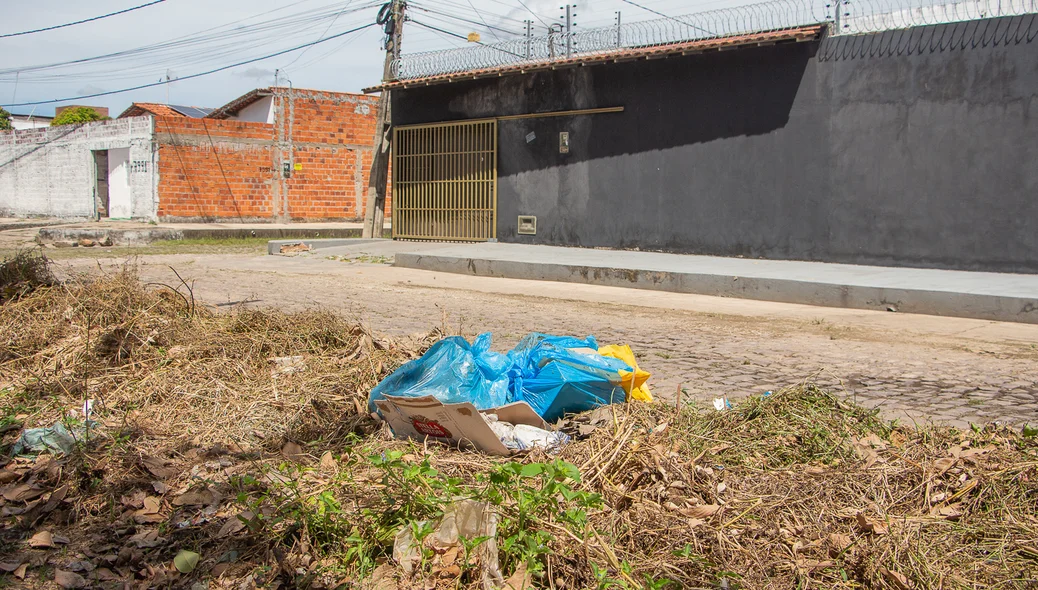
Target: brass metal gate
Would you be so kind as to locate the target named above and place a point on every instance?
(445, 181)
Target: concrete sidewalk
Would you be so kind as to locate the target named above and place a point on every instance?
(989, 296)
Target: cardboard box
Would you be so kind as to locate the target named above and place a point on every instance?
(460, 425)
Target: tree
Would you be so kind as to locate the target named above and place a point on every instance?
(5, 120)
(76, 116)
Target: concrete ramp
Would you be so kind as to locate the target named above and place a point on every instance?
(980, 295)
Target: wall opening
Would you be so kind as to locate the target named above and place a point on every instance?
(101, 183)
(120, 205)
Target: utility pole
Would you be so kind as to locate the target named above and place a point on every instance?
(619, 38)
(375, 198)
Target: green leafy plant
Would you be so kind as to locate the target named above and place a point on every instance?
(5, 120)
(77, 116)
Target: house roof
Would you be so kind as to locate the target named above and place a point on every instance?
(805, 33)
(235, 106)
(27, 117)
(164, 110)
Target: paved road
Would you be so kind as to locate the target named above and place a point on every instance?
(913, 367)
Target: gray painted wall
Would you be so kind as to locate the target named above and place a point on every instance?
(915, 147)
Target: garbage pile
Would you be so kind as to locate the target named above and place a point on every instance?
(517, 394)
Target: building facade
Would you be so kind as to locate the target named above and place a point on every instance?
(275, 154)
(910, 147)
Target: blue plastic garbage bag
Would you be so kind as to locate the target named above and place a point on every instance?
(556, 380)
(452, 371)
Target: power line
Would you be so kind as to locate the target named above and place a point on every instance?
(198, 75)
(484, 21)
(344, 7)
(453, 34)
(214, 44)
(79, 22)
(534, 13)
(656, 12)
(449, 18)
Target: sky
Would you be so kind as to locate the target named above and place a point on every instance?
(240, 30)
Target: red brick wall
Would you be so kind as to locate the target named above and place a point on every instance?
(218, 178)
(218, 169)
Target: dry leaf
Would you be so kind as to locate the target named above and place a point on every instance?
(219, 569)
(868, 525)
(328, 463)
(69, 579)
(22, 492)
(55, 498)
(838, 543)
(235, 524)
(813, 470)
(896, 579)
(195, 498)
(157, 467)
(953, 512)
(702, 511)
(105, 575)
(10, 566)
(42, 540)
(20, 572)
(293, 452)
(159, 487)
(520, 580)
(944, 464)
(7, 476)
(694, 522)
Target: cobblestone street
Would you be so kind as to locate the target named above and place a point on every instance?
(915, 368)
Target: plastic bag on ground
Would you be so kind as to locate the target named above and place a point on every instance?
(466, 519)
(522, 437)
(452, 371)
(633, 383)
(560, 375)
(56, 439)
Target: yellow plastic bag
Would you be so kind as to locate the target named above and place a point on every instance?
(633, 383)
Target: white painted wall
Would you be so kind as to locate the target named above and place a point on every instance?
(120, 199)
(20, 122)
(51, 172)
(261, 111)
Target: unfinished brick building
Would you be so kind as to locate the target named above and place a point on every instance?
(274, 154)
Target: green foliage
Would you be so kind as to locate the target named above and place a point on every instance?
(534, 502)
(77, 116)
(5, 120)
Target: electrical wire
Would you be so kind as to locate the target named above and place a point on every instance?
(534, 13)
(344, 7)
(213, 45)
(197, 75)
(484, 20)
(460, 19)
(458, 35)
(668, 17)
(79, 22)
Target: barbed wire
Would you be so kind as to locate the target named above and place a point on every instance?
(843, 16)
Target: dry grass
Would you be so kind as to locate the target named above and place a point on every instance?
(274, 474)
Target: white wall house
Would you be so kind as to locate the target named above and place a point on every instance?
(99, 169)
(20, 122)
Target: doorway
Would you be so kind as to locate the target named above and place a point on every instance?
(119, 201)
(101, 183)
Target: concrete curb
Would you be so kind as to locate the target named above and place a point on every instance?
(274, 247)
(140, 237)
(942, 303)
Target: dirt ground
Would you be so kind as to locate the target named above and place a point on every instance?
(916, 368)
